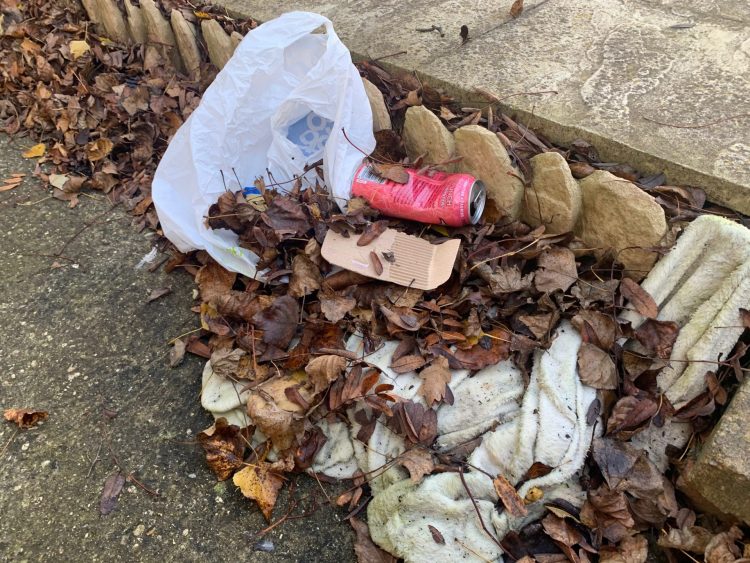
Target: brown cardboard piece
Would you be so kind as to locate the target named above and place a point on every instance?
(417, 263)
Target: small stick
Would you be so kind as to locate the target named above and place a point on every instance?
(479, 514)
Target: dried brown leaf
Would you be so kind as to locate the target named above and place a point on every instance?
(335, 306)
(364, 548)
(372, 232)
(596, 367)
(408, 364)
(435, 378)
(259, 483)
(25, 418)
(492, 348)
(111, 490)
(690, 538)
(437, 536)
(557, 269)
(305, 278)
(158, 293)
(323, 370)
(394, 172)
(596, 327)
(658, 336)
(723, 547)
(745, 317)
(632, 549)
(177, 353)
(639, 298)
(283, 427)
(606, 511)
(509, 497)
(630, 412)
(418, 462)
(224, 446)
(279, 321)
(516, 8)
(376, 263)
(214, 281)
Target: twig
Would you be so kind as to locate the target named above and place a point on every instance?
(7, 444)
(388, 56)
(510, 19)
(479, 514)
(86, 226)
(96, 458)
(141, 485)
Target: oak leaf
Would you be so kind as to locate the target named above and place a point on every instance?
(435, 378)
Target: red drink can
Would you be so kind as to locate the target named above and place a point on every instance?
(440, 198)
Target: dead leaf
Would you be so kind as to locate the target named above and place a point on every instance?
(393, 172)
(282, 427)
(418, 462)
(557, 270)
(596, 367)
(177, 353)
(111, 490)
(435, 378)
(323, 370)
(723, 547)
(437, 537)
(78, 49)
(224, 445)
(505, 279)
(258, 483)
(509, 497)
(464, 33)
(658, 336)
(372, 232)
(630, 412)
(335, 306)
(563, 534)
(25, 418)
(279, 321)
(632, 549)
(408, 364)
(596, 327)
(516, 9)
(214, 281)
(158, 293)
(364, 548)
(376, 263)
(36, 151)
(99, 149)
(690, 538)
(492, 348)
(286, 217)
(607, 512)
(639, 298)
(305, 278)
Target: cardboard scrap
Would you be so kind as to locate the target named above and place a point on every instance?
(412, 262)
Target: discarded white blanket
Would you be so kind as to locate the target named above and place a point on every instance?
(548, 426)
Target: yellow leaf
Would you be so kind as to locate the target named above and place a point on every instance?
(78, 48)
(440, 229)
(202, 15)
(98, 149)
(258, 483)
(36, 151)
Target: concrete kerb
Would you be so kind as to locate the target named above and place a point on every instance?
(674, 150)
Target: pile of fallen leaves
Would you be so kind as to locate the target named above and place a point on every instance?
(100, 120)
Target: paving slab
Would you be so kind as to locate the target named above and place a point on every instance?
(660, 84)
(79, 340)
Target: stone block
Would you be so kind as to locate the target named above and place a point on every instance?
(381, 119)
(618, 215)
(160, 34)
(554, 198)
(484, 156)
(136, 25)
(719, 479)
(111, 19)
(219, 44)
(185, 35)
(425, 135)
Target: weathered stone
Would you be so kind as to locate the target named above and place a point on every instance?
(112, 21)
(236, 39)
(554, 197)
(719, 479)
(219, 44)
(484, 156)
(136, 25)
(424, 135)
(618, 215)
(92, 10)
(160, 35)
(185, 35)
(381, 119)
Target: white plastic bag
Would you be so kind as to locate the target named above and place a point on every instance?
(281, 102)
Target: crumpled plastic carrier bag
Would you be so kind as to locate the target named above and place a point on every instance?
(283, 101)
